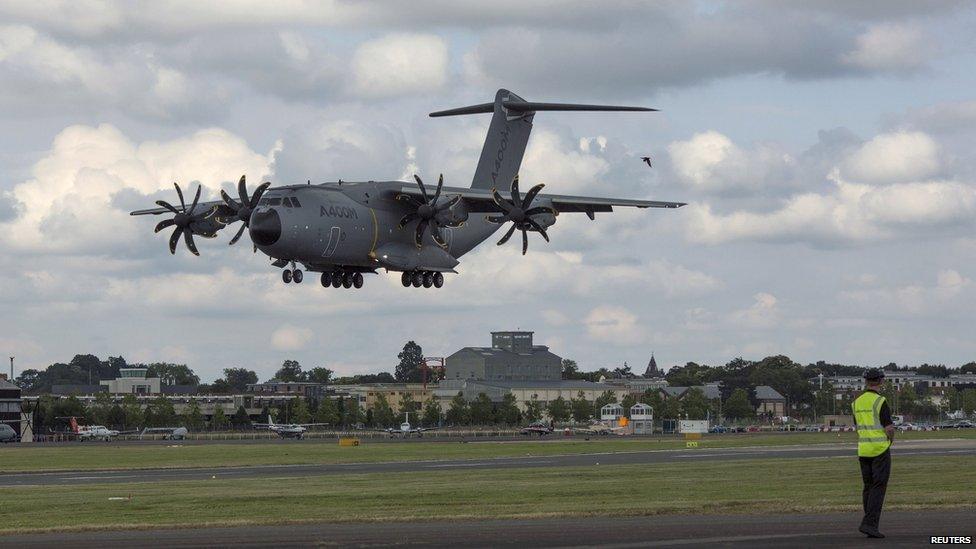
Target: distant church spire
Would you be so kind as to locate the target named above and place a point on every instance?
(652, 370)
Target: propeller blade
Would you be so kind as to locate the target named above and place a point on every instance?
(418, 237)
(229, 201)
(196, 199)
(174, 238)
(525, 241)
(180, 192)
(238, 235)
(435, 233)
(507, 235)
(423, 190)
(540, 209)
(516, 199)
(163, 224)
(538, 228)
(167, 205)
(437, 193)
(408, 218)
(496, 219)
(451, 203)
(188, 237)
(258, 193)
(242, 191)
(501, 202)
(529, 196)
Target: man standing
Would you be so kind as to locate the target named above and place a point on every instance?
(875, 433)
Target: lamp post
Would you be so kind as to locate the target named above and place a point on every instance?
(12, 369)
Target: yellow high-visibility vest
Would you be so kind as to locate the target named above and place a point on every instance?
(871, 437)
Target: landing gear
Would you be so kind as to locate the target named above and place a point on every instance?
(336, 279)
(292, 274)
(286, 276)
(297, 276)
(347, 280)
(357, 280)
(422, 278)
(326, 280)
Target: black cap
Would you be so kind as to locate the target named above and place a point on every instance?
(874, 374)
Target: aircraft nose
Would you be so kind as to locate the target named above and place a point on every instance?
(265, 228)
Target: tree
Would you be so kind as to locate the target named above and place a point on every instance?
(570, 370)
(907, 399)
(686, 376)
(408, 406)
(627, 403)
(967, 401)
(116, 417)
(738, 406)
(670, 408)
(607, 397)
(172, 374)
(533, 410)
(558, 410)
(694, 405)
(98, 411)
(482, 410)
(458, 413)
(299, 411)
(951, 400)
(353, 413)
(824, 401)
(786, 376)
(432, 413)
(581, 408)
(652, 397)
(382, 413)
(240, 419)
(161, 412)
(134, 416)
(219, 420)
(193, 418)
(508, 412)
(237, 379)
(319, 375)
(328, 412)
(290, 370)
(968, 368)
(408, 369)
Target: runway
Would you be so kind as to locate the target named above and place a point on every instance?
(835, 530)
(938, 447)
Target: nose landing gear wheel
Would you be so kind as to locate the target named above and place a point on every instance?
(405, 279)
(286, 276)
(438, 280)
(297, 276)
(428, 279)
(357, 280)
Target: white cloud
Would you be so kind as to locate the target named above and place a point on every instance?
(950, 291)
(894, 158)
(764, 313)
(399, 64)
(890, 46)
(614, 325)
(290, 338)
(711, 162)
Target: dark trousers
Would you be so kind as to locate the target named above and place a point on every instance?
(874, 473)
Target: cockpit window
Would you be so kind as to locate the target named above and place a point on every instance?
(286, 201)
(274, 202)
(295, 202)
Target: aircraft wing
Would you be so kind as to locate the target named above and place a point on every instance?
(481, 201)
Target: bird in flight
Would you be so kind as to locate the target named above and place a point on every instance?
(647, 160)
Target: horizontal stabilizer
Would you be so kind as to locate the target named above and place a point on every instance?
(526, 106)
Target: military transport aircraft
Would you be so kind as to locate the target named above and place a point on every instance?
(346, 229)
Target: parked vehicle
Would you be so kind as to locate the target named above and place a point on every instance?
(7, 433)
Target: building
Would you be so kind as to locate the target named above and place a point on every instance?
(511, 357)
(642, 419)
(368, 394)
(133, 381)
(652, 370)
(306, 389)
(10, 405)
(711, 391)
(769, 401)
(524, 392)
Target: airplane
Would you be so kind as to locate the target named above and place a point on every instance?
(540, 428)
(289, 430)
(346, 229)
(169, 433)
(92, 432)
(406, 429)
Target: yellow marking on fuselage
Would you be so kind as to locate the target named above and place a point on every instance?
(376, 235)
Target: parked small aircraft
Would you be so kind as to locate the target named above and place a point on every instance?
(540, 428)
(406, 429)
(169, 433)
(289, 430)
(92, 432)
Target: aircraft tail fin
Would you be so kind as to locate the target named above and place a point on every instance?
(270, 421)
(74, 425)
(508, 134)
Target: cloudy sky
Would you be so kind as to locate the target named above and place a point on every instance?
(825, 151)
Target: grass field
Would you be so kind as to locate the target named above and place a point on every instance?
(106, 456)
(777, 486)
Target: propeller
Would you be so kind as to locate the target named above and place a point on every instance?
(242, 210)
(518, 210)
(183, 218)
(427, 213)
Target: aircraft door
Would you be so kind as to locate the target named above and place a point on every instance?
(335, 234)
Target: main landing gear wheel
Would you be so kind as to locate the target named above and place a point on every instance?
(297, 276)
(286, 276)
(438, 280)
(417, 279)
(428, 279)
(347, 280)
(405, 279)
(357, 280)
(336, 279)
(326, 279)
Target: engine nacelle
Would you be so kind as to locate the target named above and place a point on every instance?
(453, 216)
(545, 219)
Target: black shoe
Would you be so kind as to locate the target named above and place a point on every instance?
(870, 531)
